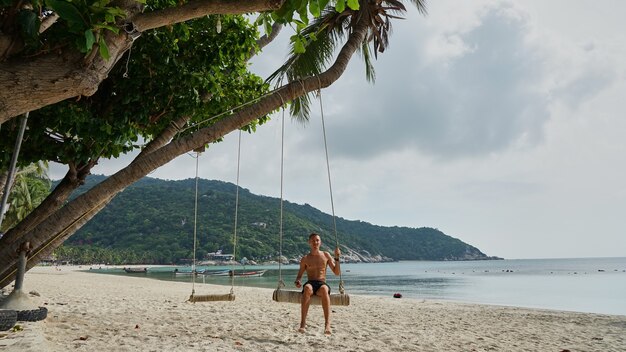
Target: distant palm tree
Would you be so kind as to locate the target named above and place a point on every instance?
(30, 187)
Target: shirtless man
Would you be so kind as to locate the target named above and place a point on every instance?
(315, 264)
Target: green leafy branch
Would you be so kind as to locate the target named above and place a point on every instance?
(86, 21)
(80, 22)
(304, 8)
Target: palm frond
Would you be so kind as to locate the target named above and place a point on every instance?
(370, 73)
(326, 33)
(322, 37)
(300, 108)
(420, 5)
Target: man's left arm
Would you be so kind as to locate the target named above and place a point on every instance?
(333, 263)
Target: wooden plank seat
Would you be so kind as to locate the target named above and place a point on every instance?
(212, 298)
(287, 296)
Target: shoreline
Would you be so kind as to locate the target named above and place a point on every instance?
(551, 286)
(405, 296)
(94, 312)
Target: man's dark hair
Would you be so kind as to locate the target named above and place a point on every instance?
(313, 234)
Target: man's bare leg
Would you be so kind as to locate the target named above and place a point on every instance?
(304, 306)
(325, 297)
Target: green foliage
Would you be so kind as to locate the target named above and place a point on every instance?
(315, 43)
(84, 23)
(88, 254)
(340, 6)
(172, 72)
(156, 217)
(81, 22)
(307, 9)
(175, 70)
(312, 49)
(31, 186)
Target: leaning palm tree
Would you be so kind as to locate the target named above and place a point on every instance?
(366, 29)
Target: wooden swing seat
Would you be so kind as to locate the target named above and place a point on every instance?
(286, 296)
(212, 298)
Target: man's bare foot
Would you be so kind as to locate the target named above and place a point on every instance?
(301, 330)
(327, 331)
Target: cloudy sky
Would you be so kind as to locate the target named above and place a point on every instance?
(500, 123)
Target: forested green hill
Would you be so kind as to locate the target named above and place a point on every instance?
(152, 221)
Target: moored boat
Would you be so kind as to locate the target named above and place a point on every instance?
(216, 272)
(136, 270)
(254, 273)
(186, 272)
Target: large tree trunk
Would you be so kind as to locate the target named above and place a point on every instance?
(30, 84)
(50, 233)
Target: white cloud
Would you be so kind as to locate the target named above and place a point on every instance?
(478, 97)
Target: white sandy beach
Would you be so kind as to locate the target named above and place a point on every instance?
(95, 312)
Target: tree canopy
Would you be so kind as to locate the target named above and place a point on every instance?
(186, 70)
(70, 47)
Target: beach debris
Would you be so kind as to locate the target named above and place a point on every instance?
(238, 343)
(397, 295)
(136, 326)
(82, 338)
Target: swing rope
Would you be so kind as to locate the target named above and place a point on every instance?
(288, 296)
(330, 186)
(232, 277)
(224, 297)
(281, 283)
(195, 227)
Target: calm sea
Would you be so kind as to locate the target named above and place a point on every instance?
(594, 285)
